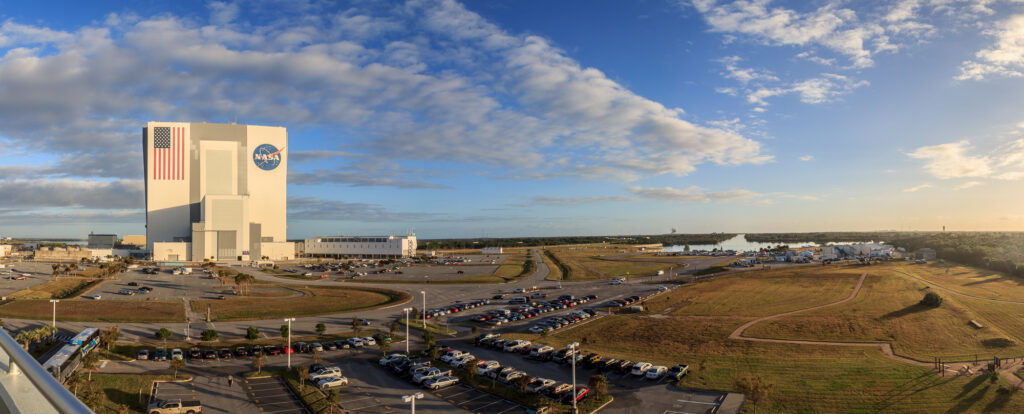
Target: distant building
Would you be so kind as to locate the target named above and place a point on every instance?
(134, 240)
(102, 241)
(829, 253)
(491, 250)
(5, 250)
(363, 247)
(924, 253)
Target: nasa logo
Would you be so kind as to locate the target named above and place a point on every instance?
(267, 157)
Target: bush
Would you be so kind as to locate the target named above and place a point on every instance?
(209, 335)
(931, 299)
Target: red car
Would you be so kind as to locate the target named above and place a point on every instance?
(581, 392)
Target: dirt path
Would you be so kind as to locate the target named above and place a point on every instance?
(885, 347)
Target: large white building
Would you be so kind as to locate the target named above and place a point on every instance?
(216, 191)
(365, 247)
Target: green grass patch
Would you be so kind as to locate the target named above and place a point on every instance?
(711, 270)
(108, 393)
(556, 269)
(417, 324)
(154, 311)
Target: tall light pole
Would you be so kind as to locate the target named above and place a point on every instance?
(407, 311)
(289, 349)
(575, 350)
(423, 312)
(54, 302)
(412, 399)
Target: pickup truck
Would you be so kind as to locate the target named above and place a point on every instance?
(175, 407)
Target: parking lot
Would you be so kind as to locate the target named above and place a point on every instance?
(477, 401)
(165, 286)
(272, 395)
(213, 392)
(375, 390)
(35, 274)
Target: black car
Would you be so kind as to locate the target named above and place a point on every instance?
(591, 360)
(624, 367)
(133, 284)
(497, 297)
(606, 364)
(316, 367)
(225, 353)
(257, 350)
(195, 353)
(241, 351)
(210, 354)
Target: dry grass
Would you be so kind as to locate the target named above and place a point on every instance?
(887, 310)
(99, 310)
(758, 293)
(315, 301)
(969, 280)
(46, 290)
(593, 262)
(512, 266)
(806, 378)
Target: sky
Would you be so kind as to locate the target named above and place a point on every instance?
(507, 118)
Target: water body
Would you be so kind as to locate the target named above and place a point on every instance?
(738, 243)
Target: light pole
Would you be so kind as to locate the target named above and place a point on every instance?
(424, 312)
(412, 399)
(407, 311)
(289, 349)
(575, 349)
(54, 302)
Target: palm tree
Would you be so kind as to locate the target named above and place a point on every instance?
(303, 377)
(333, 397)
(90, 362)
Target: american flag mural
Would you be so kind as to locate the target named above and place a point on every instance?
(169, 153)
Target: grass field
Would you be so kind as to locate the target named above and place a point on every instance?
(968, 280)
(100, 310)
(554, 269)
(120, 389)
(52, 289)
(805, 379)
(592, 262)
(887, 310)
(314, 301)
(757, 293)
(512, 267)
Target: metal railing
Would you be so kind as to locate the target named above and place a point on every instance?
(22, 396)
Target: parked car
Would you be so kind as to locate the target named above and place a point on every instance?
(463, 360)
(195, 353)
(177, 354)
(174, 407)
(331, 382)
(241, 351)
(257, 350)
(142, 355)
(316, 347)
(624, 366)
(440, 382)
(328, 372)
(539, 383)
(678, 371)
(606, 364)
(656, 372)
(483, 367)
(273, 350)
(369, 341)
(641, 368)
(557, 390)
(225, 354)
(210, 354)
(581, 393)
(510, 376)
(388, 360)
(160, 355)
(432, 372)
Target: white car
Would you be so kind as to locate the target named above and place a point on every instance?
(538, 351)
(331, 382)
(390, 358)
(329, 372)
(484, 367)
(95, 297)
(177, 354)
(428, 374)
(511, 376)
(451, 355)
(516, 345)
(368, 341)
(355, 342)
(656, 372)
(440, 382)
(538, 329)
(462, 360)
(538, 384)
(317, 347)
(641, 368)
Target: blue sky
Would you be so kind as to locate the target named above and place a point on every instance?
(518, 118)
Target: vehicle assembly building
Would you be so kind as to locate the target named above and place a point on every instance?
(216, 191)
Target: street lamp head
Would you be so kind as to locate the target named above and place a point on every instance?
(54, 300)
(573, 345)
(416, 396)
(423, 292)
(289, 319)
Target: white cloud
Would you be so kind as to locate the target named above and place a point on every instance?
(806, 158)
(951, 161)
(573, 201)
(1010, 175)
(812, 91)
(917, 188)
(816, 59)
(726, 91)
(450, 87)
(66, 193)
(967, 185)
(1004, 58)
(744, 75)
(830, 26)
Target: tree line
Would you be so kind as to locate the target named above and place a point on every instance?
(663, 239)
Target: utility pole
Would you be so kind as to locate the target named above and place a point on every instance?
(407, 311)
(575, 350)
(289, 349)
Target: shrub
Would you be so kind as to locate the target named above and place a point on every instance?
(931, 299)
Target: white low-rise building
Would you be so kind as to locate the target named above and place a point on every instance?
(491, 250)
(364, 247)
